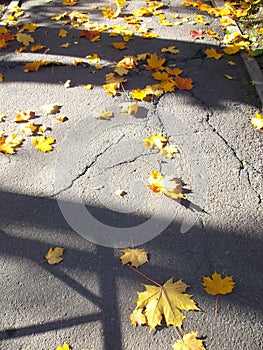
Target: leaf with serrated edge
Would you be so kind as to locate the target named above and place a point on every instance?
(135, 257)
(166, 302)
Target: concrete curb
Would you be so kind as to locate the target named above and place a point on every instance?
(252, 66)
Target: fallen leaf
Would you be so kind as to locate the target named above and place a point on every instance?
(25, 39)
(134, 257)
(88, 87)
(104, 114)
(130, 108)
(61, 118)
(121, 70)
(63, 33)
(120, 193)
(137, 317)
(212, 53)
(119, 45)
(24, 116)
(67, 84)
(34, 66)
(30, 27)
(155, 141)
(128, 62)
(92, 35)
(28, 129)
(65, 45)
(257, 121)
(196, 34)
(53, 257)
(8, 143)
(166, 302)
(218, 285)
(189, 342)
(43, 143)
(50, 109)
(2, 117)
(231, 49)
(209, 32)
(229, 77)
(69, 3)
(167, 184)
(93, 58)
(37, 47)
(155, 63)
(183, 83)
(170, 49)
(3, 44)
(1, 77)
(77, 61)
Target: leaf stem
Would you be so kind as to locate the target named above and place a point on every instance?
(144, 276)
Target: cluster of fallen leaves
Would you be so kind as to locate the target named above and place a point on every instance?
(168, 77)
(24, 119)
(158, 303)
(229, 13)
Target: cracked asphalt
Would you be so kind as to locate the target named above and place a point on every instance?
(67, 197)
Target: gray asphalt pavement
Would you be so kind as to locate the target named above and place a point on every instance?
(67, 197)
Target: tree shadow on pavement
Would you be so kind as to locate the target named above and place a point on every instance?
(90, 289)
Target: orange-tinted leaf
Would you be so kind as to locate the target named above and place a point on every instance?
(183, 83)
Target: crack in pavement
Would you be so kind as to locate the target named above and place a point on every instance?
(87, 167)
(234, 153)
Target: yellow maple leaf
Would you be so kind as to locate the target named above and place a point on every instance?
(128, 62)
(138, 94)
(63, 33)
(155, 141)
(155, 63)
(169, 151)
(210, 32)
(53, 256)
(30, 27)
(77, 61)
(43, 143)
(257, 121)
(111, 88)
(170, 49)
(88, 87)
(50, 109)
(104, 114)
(135, 257)
(120, 45)
(129, 108)
(65, 45)
(93, 58)
(166, 302)
(161, 76)
(34, 66)
(168, 185)
(218, 285)
(167, 86)
(212, 53)
(231, 49)
(8, 143)
(189, 342)
(183, 83)
(137, 317)
(69, 2)
(174, 71)
(121, 70)
(37, 47)
(28, 129)
(24, 116)
(25, 39)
